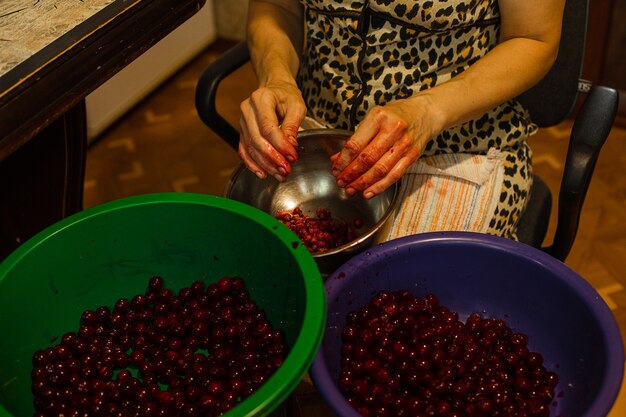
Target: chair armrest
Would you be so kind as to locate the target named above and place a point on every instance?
(206, 91)
(589, 132)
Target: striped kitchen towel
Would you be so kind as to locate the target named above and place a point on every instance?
(448, 192)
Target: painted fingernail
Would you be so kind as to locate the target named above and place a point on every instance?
(350, 191)
(341, 183)
(368, 195)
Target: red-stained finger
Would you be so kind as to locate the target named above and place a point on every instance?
(266, 111)
(353, 146)
(368, 157)
(249, 162)
(256, 156)
(375, 173)
(366, 132)
(291, 123)
(256, 140)
(392, 177)
(386, 171)
(254, 160)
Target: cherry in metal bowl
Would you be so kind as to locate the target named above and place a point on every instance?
(311, 186)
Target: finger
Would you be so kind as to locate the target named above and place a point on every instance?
(269, 126)
(255, 155)
(377, 172)
(368, 157)
(291, 122)
(249, 162)
(388, 180)
(273, 160)
(354, 145)
(254, 160)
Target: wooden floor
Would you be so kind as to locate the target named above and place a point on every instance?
(163, 146)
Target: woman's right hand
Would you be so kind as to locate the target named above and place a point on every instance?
(270, 120)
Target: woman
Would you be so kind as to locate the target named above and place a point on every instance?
(428, 88)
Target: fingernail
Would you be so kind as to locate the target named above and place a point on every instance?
(279, 178)
(291, 158)
(259, 174)
(282, 171)
(335, 172)
(368, 195)
(350, 191)
(293, 140)
(341, 183)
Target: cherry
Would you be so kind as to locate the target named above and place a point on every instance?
(405, 355)
(155, 284)
(320, 233)
(195, 353)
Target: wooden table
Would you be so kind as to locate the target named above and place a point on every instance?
(53, 53)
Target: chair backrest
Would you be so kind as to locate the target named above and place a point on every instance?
(553, 98)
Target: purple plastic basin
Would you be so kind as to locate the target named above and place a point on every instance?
(564, 317)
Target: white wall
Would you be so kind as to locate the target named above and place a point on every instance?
(126, 88)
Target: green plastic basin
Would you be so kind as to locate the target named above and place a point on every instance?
(108, 252)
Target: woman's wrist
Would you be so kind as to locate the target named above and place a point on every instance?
(277, 77)
(428, 113)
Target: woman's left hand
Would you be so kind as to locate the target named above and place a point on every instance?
(388, 140)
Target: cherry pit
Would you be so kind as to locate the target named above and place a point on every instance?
(195, 352)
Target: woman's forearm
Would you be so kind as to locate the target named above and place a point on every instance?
(275, 36)
(524, 55)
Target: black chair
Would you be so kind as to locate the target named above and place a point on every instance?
(550, 102)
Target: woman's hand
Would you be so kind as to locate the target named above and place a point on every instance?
(271, 116)
(270, 119)
(388, 140)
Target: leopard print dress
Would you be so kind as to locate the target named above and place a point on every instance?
(363, 53)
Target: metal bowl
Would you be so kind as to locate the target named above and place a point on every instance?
(311, 185)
